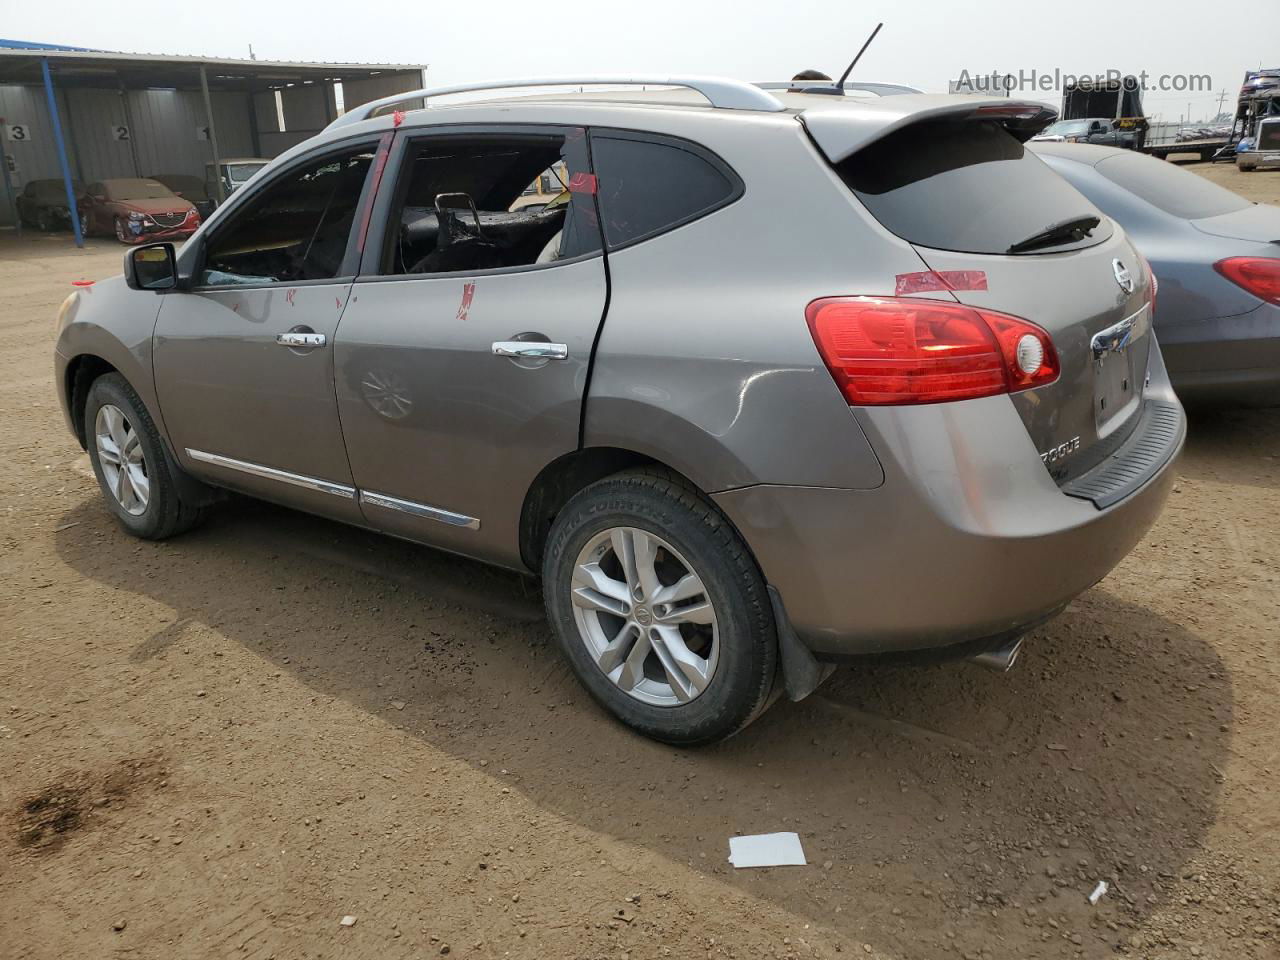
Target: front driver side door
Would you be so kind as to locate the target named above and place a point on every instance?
(244, 359)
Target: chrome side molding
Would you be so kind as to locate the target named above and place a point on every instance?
(271, 473)
(383, 500)
(387, 502)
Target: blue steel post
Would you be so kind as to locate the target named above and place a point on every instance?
(62, 152)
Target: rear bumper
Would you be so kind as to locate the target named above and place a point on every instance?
(1227, 358)
(968, 538)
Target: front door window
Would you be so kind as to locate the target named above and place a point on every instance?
(297, 228)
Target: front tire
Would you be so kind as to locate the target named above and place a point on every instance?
(133, 470)
(660, 609)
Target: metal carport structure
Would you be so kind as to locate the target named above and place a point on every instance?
(72, 113)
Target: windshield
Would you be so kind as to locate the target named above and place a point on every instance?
(240, 172)
(965, 186)
(1169, 187)
(1068, 128)
(136, 190)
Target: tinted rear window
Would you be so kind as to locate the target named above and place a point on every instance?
(1172, 189)
(646, 186)
(964, 186)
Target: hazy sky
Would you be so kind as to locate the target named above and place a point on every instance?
(924, 43)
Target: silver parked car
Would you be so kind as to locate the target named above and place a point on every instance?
(783, 379)
(1216, 258)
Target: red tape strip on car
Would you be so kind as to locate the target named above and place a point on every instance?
(932, 280)
(582, 183)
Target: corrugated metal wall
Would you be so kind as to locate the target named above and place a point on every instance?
(356, 92)
(164, 127)
(163, 133)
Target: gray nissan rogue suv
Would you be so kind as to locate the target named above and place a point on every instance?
(774, 379)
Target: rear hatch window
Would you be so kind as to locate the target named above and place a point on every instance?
(965, 186)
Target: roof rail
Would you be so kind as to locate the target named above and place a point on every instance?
(723, 93)
(867, 86)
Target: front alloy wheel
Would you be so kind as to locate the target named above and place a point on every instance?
(645, 616)
(124, 465)
(138, 480)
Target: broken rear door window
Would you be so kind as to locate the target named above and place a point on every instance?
(295, 228)
(491, 201)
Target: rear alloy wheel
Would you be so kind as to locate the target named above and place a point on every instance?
(84, 223)
(660, 608)
(645, 616)
(139, 482)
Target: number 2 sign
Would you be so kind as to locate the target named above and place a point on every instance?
(119, 131)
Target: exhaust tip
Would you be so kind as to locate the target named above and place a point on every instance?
(1002, 658)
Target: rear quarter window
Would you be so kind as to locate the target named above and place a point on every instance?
(965, 186)
(1170, 188)
(647, 185)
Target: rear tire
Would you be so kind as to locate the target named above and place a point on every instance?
(136, 475)
(678, 641)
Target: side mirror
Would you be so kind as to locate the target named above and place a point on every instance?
(153, 267)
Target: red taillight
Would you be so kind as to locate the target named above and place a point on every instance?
(896, 350)
(1259, 275)
(1153, 284)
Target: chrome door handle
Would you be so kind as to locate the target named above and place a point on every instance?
(531, 349)
(294, 339)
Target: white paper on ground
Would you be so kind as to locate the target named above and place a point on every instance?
(767, 850)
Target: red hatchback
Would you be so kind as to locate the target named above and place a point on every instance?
(136, 210)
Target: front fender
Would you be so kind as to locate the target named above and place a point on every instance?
(114, 324)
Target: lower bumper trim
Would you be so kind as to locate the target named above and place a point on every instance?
(1151, 445)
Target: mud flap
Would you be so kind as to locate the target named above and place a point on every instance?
(801, 672)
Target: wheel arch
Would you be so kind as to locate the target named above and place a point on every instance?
(561, 479)
(79, 375)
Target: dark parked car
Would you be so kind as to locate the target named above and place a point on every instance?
(1216, 256)
(188, 188)
(1100, 131)
(43, 204)
(135, 209)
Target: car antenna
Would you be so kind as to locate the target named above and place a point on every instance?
(845, 76)
(837, 88)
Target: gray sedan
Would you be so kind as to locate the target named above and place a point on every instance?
(1216, 257)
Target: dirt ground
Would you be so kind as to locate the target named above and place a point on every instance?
(220, 745)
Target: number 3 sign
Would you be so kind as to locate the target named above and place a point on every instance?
(17, 132)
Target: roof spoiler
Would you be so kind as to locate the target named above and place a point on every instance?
(842, 132)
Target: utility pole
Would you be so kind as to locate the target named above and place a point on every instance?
(1222, 98)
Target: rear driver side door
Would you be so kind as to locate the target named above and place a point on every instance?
(447, 425)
